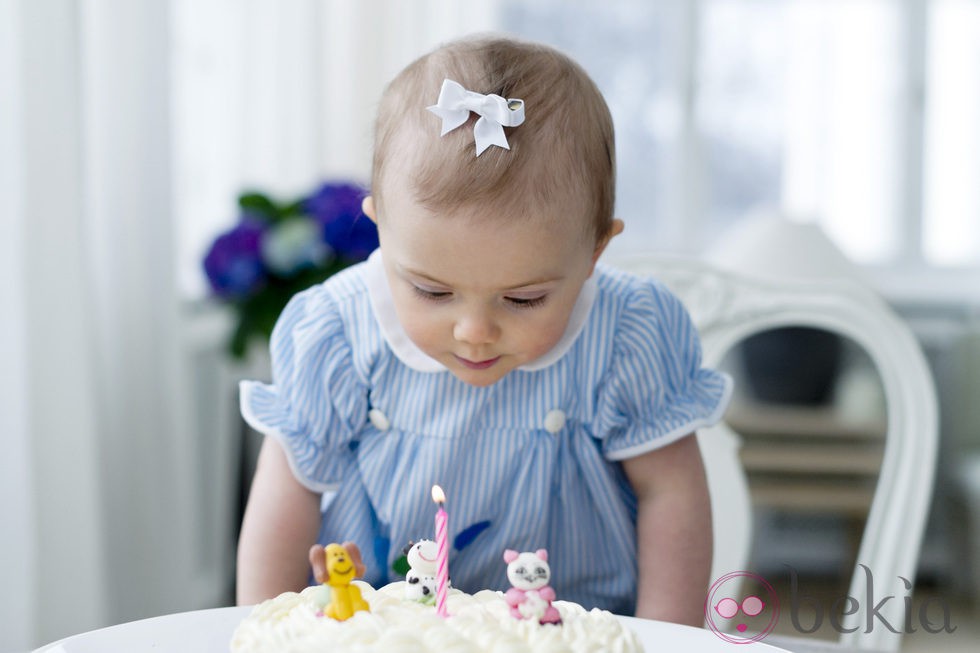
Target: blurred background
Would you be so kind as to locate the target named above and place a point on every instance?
(129, 128)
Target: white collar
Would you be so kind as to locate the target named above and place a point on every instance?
(408, 352)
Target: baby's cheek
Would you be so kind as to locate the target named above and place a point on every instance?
(421, 330)
(544, 337)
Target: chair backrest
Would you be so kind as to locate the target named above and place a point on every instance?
(727, 309)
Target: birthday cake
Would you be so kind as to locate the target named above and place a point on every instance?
(293, 622)
(349, 615)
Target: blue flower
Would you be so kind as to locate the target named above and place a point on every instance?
(337, 208)
(234, 263)
(281, 248)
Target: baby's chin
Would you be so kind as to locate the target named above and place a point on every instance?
(478, 379)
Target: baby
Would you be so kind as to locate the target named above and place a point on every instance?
(482, 348)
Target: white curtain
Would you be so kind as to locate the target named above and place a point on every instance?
(115, 494)
(89, 315)
(17, 554)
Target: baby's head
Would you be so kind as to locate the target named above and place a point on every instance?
(561, 163)
(486, 255)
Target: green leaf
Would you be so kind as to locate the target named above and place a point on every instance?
(400, 566)
(258, 204)
(239, 339)
(295, 208)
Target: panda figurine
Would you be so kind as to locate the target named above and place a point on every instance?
(420, 581)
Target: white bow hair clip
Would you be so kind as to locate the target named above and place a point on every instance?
(454, 106)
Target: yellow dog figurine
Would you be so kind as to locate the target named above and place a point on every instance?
(336, 566)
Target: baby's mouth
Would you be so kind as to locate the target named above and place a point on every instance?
(477, 365)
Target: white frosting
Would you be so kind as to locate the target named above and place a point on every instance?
(477, 622)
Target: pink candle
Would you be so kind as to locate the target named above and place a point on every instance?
(442, 554)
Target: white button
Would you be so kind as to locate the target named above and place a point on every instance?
(379, 419)
(554, 421)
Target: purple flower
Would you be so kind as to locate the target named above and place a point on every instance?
(337, 208)
(234, 263)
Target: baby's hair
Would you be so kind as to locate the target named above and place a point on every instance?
(561, 162)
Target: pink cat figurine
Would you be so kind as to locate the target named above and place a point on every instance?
(531, 596)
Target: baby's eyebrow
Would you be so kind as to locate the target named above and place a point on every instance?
(536, 282)
(423, 275)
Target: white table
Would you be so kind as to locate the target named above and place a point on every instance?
(204, 631)
(209, 631)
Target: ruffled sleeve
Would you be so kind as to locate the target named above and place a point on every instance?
(655, 390)
(316, 403)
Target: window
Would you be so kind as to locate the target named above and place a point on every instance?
(801, 108)
(952, 128)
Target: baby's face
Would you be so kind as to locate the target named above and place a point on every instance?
(481, 296)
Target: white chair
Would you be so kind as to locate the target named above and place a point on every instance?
(727, 309)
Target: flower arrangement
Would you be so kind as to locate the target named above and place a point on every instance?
(277, 250)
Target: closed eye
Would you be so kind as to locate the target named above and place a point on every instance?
(527, 302)
(431, 295)
(443, 295)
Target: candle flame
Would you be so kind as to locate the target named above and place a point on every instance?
(438, 495)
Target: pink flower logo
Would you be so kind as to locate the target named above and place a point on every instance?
(753, 613)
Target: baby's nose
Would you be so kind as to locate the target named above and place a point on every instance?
(476, 329)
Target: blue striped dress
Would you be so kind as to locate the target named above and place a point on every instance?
(529, 462)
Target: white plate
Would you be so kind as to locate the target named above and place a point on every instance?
(209, 631)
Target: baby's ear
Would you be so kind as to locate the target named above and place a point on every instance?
(542, 553)
(355, 557)
(367, 207)
(318, 560)
(615, 229)
(510, 555)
